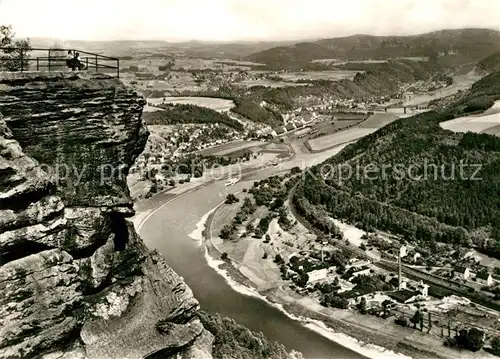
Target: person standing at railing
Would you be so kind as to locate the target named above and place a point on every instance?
(78, 65)
(70, 60)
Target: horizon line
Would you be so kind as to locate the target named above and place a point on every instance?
(270, 40)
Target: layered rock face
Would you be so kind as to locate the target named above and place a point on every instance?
(76, 281)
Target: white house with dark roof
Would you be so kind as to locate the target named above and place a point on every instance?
(485, 278)
(461, 272)
(423, 289)
(319, 274)
(365, 271)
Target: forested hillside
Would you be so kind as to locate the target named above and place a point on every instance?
(254, 112)
(415, 179)
(184, 113)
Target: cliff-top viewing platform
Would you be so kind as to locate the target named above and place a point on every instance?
(14, 59)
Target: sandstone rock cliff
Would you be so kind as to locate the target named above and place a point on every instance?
(75, 279)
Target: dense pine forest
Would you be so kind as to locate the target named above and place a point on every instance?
(415, 179)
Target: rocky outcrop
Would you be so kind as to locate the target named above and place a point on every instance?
(76, 281)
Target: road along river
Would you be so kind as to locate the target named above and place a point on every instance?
(168, 230)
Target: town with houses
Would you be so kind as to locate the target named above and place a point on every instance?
(359, 282)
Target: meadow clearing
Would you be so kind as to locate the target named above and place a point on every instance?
(319, 75)
(329, 127)
(267, 83)
(359, 129)
(338, 138)
(152, 64)
(378, 120)
(489, 122)
(230, 147)
(342, 62)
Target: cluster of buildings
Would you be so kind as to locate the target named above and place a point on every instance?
(295, 122)
(464, 273)
(169, 146)
(405, 93)
(328, 103)
(355, 267)
(319, 275)
(410, 292)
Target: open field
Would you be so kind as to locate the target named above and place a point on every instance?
(342, 62)
(217, 104)
(280, 149)
(238, 63)
(378, 120)
(273, 146)
(461, 82)
(152, 64)
(197, 63)
(175, 81)
(485, 123)
(328, 127)
(414, 58)
(230, 147)
(495, 131)
(267, 83)
(354, 129)
(493, 109)
(338, 138)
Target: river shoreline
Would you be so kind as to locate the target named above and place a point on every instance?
(349, 334)
(380, 343)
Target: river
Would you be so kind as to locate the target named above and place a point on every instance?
(168, 231)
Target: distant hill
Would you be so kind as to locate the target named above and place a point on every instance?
(202, 49)
(173, 114)
(470, 44)
(292, 56)
(226, 50)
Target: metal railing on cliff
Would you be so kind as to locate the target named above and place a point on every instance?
(48, 60)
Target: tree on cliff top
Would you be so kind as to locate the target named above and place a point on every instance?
(14, 54)
(6, 35)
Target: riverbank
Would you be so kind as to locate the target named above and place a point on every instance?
(369, 336)
(231, 271)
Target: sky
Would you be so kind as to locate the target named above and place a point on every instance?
(229, 20)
